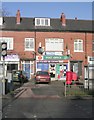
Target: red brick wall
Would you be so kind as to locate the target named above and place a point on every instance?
(69, 40)
(40, 37)
(19, 38)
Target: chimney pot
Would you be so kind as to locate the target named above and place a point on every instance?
(75, 18)
(18, 20)
(63, 19)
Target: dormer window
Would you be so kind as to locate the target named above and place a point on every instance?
(1, 20)
(42, 22)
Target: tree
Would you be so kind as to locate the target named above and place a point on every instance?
(4, 12)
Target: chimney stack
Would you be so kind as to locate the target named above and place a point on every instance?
(75, 18)
(63, 19)
(18, 20)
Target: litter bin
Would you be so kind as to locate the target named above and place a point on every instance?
(6, 86)
(68, 77)
(10, 86)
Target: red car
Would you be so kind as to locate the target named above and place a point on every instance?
(42, 76)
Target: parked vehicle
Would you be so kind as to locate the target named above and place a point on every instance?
(42, 76)
(19, 76)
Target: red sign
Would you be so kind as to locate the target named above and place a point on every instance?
(39, 57)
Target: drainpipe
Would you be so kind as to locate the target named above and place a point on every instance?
(35, 53)
(86, 58)
(88, 76)
(85, 47)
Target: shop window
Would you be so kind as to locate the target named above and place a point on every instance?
(11, 67)
(76, 66)
(43, 66)
(91, 72)
(52, 70)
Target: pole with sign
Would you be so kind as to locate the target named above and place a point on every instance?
(3, 53)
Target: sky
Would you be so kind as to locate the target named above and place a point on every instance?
(81, 10)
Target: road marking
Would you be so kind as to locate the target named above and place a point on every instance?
(29, 94)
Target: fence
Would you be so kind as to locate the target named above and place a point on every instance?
(76, 90)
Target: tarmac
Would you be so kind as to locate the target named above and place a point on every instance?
(8, 98)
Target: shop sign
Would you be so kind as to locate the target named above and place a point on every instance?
(12, 57)
(48, 61)
(90, 60)
(39, 57)
(53, 53)
(56, 57)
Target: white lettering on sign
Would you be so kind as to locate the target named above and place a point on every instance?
(90, 60)
(12, 57)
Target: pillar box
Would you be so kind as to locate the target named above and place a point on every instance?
(68, 77)
(74, 76)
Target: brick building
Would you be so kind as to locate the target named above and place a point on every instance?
(55, 45)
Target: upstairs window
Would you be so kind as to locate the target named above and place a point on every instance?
(54, 44)
(1, 21)
(42, 22)
(78, 45)
(29, 44)
(9, 41)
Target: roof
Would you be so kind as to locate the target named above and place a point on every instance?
(27, 24)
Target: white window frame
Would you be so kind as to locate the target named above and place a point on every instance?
(78, 43)
(42, 21)
(29, 49)
(31, 64)
(53, 41)
(9, 41)
(1, 20)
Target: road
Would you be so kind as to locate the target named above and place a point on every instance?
(47, 101)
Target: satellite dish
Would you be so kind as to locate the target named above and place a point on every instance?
(40, 50)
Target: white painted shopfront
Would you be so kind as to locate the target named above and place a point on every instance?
(11, 63)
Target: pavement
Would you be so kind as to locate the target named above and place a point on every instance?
(8, 98)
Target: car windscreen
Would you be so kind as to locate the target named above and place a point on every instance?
(42, 73)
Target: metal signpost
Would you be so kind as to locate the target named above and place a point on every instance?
(3, 53)
(3, 81)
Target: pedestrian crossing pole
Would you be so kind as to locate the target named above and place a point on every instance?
(3, 53)
(3, 82)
